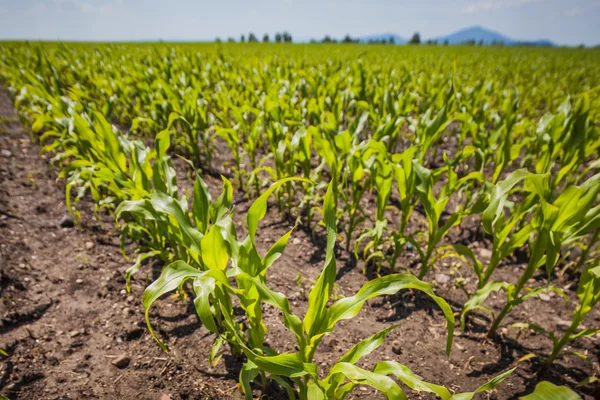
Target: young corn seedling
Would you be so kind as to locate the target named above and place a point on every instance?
(588, 294)
(501, 149)
(406, 180)
(554, 223)
(435, 206)
(508, 230)
(163, 219)
(232, 138)
(383, 185)
(209, 255)
(301, 151)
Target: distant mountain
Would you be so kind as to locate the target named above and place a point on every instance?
(384, 36)
(479, 34)
(475, 33)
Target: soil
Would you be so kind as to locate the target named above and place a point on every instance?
(66, 319)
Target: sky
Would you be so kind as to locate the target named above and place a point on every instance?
(569, 22)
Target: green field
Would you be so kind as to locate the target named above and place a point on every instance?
(466, 178)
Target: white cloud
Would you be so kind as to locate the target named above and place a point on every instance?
(573, 12)
(491, 5)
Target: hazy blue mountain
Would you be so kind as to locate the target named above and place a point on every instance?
(479, 34)
(475, 33)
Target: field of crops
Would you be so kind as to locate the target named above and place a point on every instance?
(299, 221)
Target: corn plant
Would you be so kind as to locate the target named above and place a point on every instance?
(508, 230)
(406, 180)
(383, 185)
(588, 294)
(435, 206)
(554, 223)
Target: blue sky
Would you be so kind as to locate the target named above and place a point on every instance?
(562, 21)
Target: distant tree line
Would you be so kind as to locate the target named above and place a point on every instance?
(284, 37)
(350, 39)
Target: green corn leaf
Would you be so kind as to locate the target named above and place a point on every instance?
(361, 349)
(366, 346)
(495, 381)
(494, 211)
(468, 253)
(204, 287)
(201, 205)
(278, 300)
(359, 376)
(258, 209)
(170, 206)
(349, 307)
(248, 372)
(411, 380)
(286, 386)
(214, 355)
(221, 206)
(479, 297)
(319, 295)
(142, 209)
(215, 254)
(276, 250)
(137, 265)
(170, 279)
(548, 391)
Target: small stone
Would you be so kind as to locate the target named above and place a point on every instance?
(6, 153)
(89, 245)
(122, 361)
(165, 397)
(396, 348)
(459, 347)
(563, 323)
(544, 297)
(127, 311)
(296, 241)
(442, 278)
(485, 253)
(130, 299)
(79, 281)
(66, 222)
(75, 333)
